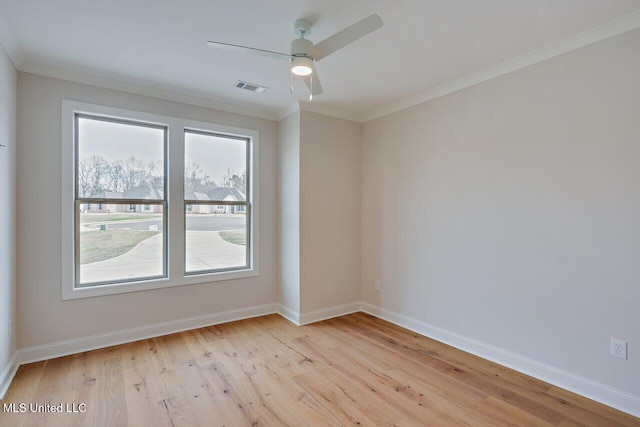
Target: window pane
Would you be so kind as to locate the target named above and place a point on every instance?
(120, 242)
(120, 160)
(215, 241)
(215, 167)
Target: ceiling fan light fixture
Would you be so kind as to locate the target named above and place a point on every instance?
(302, 66)
(304, 52)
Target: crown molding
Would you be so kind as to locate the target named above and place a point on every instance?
(140, 89)
(330, 111)
(10, 45)
(282, 114)
(602, 32)
(317, 108)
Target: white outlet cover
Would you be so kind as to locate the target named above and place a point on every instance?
(619, 348)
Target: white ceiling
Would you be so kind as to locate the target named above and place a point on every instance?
(161, 43)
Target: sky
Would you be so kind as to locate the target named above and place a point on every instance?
(115, 141)
(215, 154)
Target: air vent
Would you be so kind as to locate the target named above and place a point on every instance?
(250, 86)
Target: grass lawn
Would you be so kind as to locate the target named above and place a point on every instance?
(88, 218)
(238, 237)
(101, 245)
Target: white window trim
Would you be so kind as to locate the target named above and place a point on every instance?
(175, 202)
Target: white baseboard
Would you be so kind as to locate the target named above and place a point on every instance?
(329, 313)
(300, 319)
(290, 314)
(78, 345)
(602, 393)
(610, 396)
(8, 373)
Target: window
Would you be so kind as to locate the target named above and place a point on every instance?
(216, 180)
(154, 201)
(122, 163)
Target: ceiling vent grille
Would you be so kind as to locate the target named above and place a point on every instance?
(250, 86)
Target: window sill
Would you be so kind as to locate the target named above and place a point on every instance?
(69, 293)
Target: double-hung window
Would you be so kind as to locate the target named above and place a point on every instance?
(153, 201)
(119, 163)
(216, 236)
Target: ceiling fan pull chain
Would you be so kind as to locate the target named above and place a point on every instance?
(311, 88)
(291, 82)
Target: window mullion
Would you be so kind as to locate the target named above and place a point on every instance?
(175, 197)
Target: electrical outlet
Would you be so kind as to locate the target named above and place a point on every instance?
(618, 348)
(377, 285)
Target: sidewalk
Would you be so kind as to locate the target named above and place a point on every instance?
(206, 250)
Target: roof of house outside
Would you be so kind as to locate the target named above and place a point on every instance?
(107, 195)
(144, 192)
(226, 193)
(194, 195)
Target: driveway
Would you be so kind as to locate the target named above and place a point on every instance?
(206, 251)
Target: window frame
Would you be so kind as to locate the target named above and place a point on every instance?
(80, 200)
(222, 203)
(174, 198)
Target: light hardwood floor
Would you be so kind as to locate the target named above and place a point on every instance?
(353, 370)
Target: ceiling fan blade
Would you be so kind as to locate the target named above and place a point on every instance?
(245, 49)
(346, 36)
(314, 86)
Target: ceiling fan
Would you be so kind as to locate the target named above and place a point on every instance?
(304, 53)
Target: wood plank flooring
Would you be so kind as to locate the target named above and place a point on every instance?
(355, 370)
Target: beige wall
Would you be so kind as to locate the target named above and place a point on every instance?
(330, 188)
(289, 213)
(319, 200)
(7, 209)
(509, 212)
(43, 316)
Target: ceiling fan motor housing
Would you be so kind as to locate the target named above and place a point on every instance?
(301, 47)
